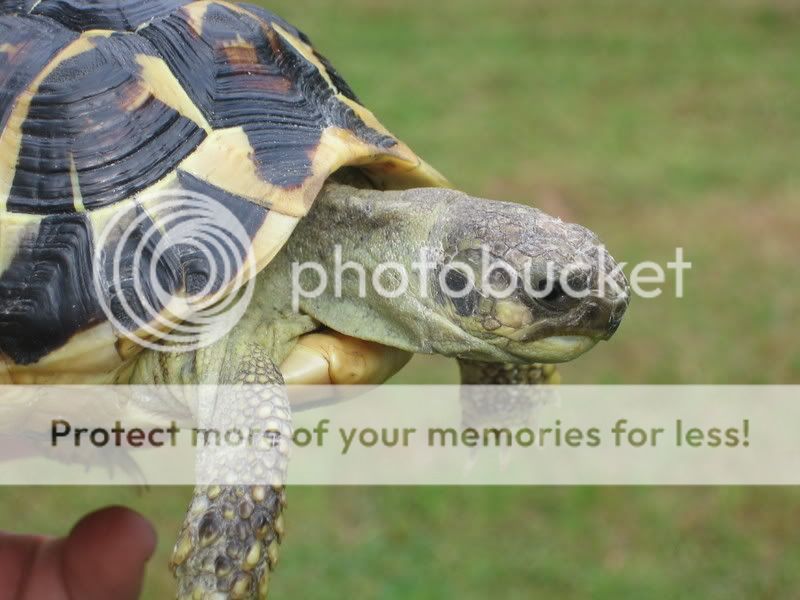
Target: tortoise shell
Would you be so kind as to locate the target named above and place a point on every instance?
(103, 103)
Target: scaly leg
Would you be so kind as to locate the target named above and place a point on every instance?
(483, 407)
(228, 543)
(229, 540)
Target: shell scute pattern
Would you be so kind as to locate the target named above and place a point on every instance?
(85, 15)
(258, 81)
(104, 102)
(27, 44)
(95, 119)
(56, 262)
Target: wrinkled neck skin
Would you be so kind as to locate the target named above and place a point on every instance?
(373, 228)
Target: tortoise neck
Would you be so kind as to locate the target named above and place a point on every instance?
(371, 246)
(373, 222)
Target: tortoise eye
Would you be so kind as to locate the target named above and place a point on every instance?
(539, 284)
(555, 295)
(455, 280)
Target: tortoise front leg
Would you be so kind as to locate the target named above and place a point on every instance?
(228, 543)
(482, 407)
(484, 373)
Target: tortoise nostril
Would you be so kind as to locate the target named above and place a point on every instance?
(620, 306)
(617, 312)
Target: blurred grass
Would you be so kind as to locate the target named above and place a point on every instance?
(654, 123)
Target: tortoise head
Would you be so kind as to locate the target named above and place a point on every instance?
(529, 284)
(488, 281)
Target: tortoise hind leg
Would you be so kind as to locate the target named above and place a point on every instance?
(228, 543)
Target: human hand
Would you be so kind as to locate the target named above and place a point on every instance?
(102, 558)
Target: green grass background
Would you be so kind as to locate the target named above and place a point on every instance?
(654, 123)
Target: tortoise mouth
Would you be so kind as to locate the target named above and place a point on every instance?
(553, 349)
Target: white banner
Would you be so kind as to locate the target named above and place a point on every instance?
(406, 435)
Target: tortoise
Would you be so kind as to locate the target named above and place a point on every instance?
(109, 109)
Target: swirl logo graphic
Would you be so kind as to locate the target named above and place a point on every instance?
(174, 272)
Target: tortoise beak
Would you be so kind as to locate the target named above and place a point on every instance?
(618, 308)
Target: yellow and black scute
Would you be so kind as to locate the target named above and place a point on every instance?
(103, 103)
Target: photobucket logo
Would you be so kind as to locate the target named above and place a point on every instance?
(174, 271)
(592, 275)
